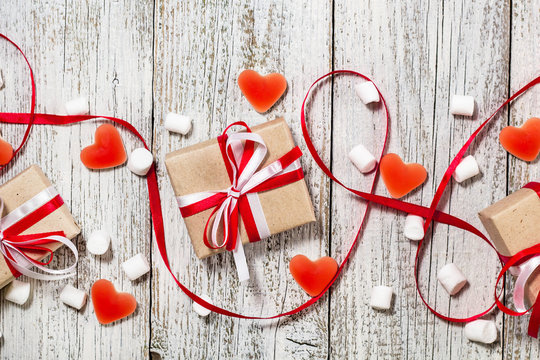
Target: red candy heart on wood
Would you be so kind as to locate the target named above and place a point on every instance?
(313, 276)
(522, 142)
(107, 151)
(110, 305)
(400, 178)
(261, 91)
(6, 152)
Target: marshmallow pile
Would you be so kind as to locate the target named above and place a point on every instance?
(359, 155)
(451, 278)
(381, 297)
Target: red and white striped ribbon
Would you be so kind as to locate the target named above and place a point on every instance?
(244, 181)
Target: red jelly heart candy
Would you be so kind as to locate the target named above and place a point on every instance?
(6, 152)
(110, 305)
(400, 178)
(261, 91)
(523, 142)
(107, 151)
(313, 276)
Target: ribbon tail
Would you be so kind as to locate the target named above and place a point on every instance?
(534, 321)
(240, 260)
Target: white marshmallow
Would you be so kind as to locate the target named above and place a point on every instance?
(414, 227)
(484, 331)
(381, 297)
(178, 123)
(451, 278)
(467, 168)
(18, 292)
(78, 106)
(367, 92)
(462, 105)
(140, 161)
(136, 267)
(98, 242)
(73, 297)
(362, 159)
(201, 310)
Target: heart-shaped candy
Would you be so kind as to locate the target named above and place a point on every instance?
(313, 276)
(110, 305)
(522, 142)
(107, 151)
(6, 152)
(261, 91)
(400, 178)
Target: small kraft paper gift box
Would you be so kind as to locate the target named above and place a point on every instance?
(31, 205)
(202, 169)
(513, 224)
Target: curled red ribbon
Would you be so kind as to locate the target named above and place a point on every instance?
(429, 213)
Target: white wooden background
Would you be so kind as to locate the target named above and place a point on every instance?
(139, 60)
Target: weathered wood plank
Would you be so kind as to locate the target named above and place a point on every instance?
(200, 50)
(524, 65)
(419, 56)
(102, 51)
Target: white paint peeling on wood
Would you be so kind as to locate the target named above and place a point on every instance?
(138, 59)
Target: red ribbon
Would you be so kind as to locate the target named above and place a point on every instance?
(429, 213)
(13, 233)
(242, 208)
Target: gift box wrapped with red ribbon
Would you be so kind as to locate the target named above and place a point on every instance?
(513, 225)
(239, 188)
(35, 222)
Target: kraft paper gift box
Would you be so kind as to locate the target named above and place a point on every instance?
(22, 188)
(513, 224)
(201, 168)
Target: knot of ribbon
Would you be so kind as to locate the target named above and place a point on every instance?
(243, 154)
(18, 249)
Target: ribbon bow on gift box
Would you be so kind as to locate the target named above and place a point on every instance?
(243, 153)
(14, 246)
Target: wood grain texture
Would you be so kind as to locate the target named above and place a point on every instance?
(524, 64)
(103, 52)
(139, 60)
(212, 45)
